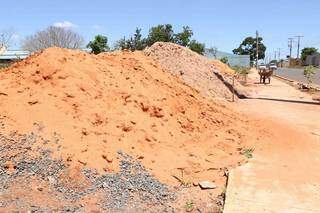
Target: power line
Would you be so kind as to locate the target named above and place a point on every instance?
(279, 54)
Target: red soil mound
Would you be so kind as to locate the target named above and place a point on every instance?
(121, 101)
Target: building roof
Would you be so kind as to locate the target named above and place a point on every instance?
(14, 54)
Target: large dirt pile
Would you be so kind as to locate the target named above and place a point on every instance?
(222, 67)
(194, 69)
(90, 107)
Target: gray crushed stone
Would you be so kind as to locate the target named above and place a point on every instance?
(131, 189)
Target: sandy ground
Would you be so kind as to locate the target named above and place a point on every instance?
(284, 174)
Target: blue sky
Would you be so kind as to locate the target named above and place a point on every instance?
(220, 23)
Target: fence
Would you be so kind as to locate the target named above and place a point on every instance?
(233, 60)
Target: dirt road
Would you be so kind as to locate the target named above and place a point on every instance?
(283, 175)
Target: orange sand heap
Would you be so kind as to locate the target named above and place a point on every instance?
(121, 101)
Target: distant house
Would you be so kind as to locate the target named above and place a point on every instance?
(233, 60)
(10, 56)
(313, 60)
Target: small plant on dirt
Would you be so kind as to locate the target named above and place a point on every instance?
(224, 60)
(189, 206)
(2, 66)
(308, 73)
(247, 152)
(242, 71)
(183, 182)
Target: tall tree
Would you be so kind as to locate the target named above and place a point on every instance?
(6, 38)
(135, 42)
(184, 37)
(163, 33)
(196, 47)
(53, 36)
(213, 51)
(249, 47)
(99, 44)
(160, 33)
(308, 51)
(138, 42)
(120, 44)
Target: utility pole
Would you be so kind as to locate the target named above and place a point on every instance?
(290, 42)
(257, 49)
(279, 54)
(275, 55)
(298, 51)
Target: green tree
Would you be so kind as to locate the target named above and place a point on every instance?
(137, 42)
(160, 33)
(99, 44)
(120, 44)
(196, 47)
(249, 47)
(307, 51)
(213, 51)
(184, 37)
(163, 33)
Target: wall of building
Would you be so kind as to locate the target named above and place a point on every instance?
(233, 60)
(313, 60)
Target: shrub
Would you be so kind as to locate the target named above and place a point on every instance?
(308, 73)
(224, 60)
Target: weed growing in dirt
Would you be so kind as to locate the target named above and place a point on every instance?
(247, 152)
(183, 182)
(308, 73)
(241, 70)
(2, 66)
(189, 206)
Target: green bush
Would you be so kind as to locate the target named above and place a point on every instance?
(2, 66)
(241, 70)
(224, 60)
(308, 73)
(99, 44)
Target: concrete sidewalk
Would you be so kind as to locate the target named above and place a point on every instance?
(284, 175)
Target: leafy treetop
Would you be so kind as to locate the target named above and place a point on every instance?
(160, 33)
(163, 33)
(197, 47)
(308, 51)
(249, 47)
(184, 37)
(99, 44)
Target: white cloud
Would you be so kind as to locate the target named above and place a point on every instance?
(97, 27)
(65, 24)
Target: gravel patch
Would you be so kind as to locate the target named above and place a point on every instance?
(23, 161)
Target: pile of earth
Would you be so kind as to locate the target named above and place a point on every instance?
(222, 67)
(194, 69)
(89, 107)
